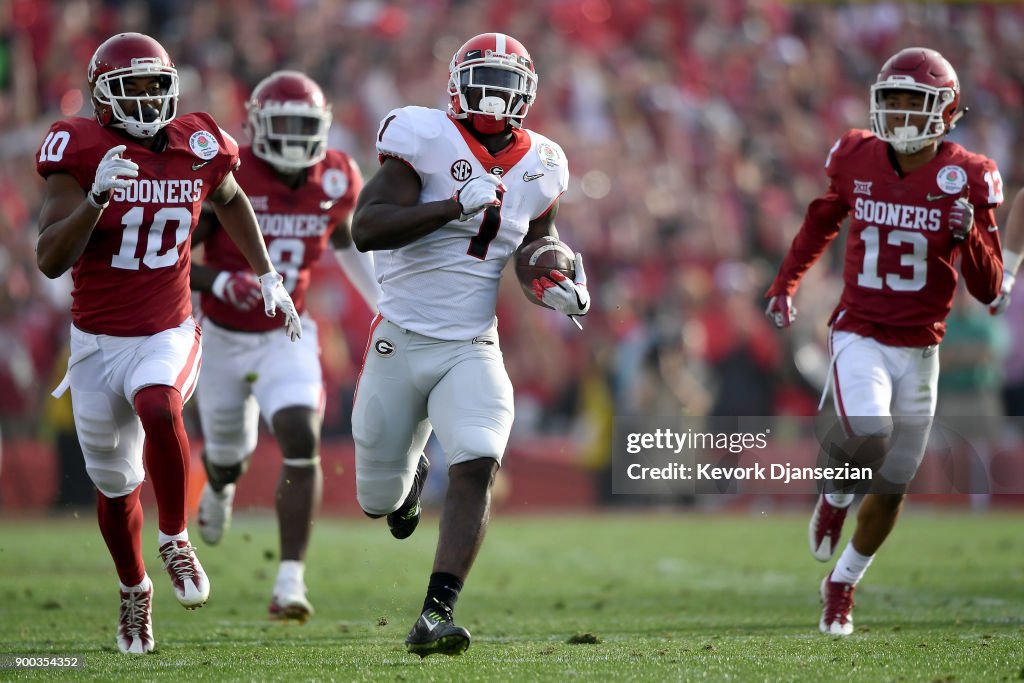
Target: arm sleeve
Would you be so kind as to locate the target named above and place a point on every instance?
(981, 260)
(821, 225)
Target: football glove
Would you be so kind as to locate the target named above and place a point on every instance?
(112, 171)
(241, 289)
(477, 194)
(274, 296)
(781, 311)
(562, 294)
(961, 219)
(999, 304)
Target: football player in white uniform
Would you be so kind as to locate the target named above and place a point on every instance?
(457, 193)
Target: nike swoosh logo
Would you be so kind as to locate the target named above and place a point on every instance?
(326, 204)
(527, 177)
(196, 165)
(993, 228)
(936, 197)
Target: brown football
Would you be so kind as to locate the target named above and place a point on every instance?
(538, 258)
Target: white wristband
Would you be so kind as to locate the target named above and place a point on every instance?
(220, 283)
(1011, 260)
(93, 203)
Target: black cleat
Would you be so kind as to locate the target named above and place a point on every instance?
(403, 521)
(434, 633)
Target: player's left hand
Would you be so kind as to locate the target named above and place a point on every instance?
(961, 219)
(240, 289)
(562, 294)
(781, 311)
(999, 304)
(276, 296)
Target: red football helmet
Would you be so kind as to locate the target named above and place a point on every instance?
(123, 57)
(289, 119)
(491, 83)
(918, 70)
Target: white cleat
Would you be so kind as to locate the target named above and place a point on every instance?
(191, 586)
(215, 513)
(135, 623)
(289, 602)
(837, 613)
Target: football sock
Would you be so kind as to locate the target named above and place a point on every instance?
(166, 453)
(162, 538)
(839, 500)
(144, 584)
(121, 526)
(444, 588)
(851, 566)
(291, 570)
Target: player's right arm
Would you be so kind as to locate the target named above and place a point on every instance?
(821, 225)
(388, 214)
(69, 215)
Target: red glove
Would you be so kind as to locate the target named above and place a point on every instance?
(781, 311)
(241, 290)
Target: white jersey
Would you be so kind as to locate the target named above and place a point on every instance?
(445, 284)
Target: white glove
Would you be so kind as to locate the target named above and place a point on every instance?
(562, 294)
(274, 295)
(999, 304)
(112, 171)
(961, 219)
(781, 311)
(477, 194)
(241, 289)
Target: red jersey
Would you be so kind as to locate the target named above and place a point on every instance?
(296, 225)
(900, 274)
(133, 277)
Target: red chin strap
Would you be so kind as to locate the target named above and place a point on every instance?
(487, 125)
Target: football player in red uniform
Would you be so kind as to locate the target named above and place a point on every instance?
(917, 205)
(303, 194)
(123, 194)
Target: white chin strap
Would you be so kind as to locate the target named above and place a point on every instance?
(492, 106)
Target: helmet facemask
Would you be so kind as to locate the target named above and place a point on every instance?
(493, 93)
(290, 136)
(151, 111)
(905, 137)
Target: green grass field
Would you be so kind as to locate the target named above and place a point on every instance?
(670, 597)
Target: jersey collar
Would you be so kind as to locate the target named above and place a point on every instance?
(505, 159)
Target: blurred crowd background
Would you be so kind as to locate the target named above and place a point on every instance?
(696, 133)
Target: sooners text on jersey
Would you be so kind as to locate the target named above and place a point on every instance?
(132, 279)
(296, 225)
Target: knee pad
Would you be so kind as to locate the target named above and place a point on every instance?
(115, 482)
(222, 475)
(380, 494)
(476, 444)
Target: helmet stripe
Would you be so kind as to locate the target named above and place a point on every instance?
(500, 47)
